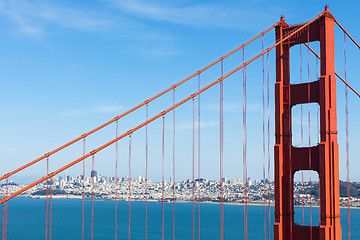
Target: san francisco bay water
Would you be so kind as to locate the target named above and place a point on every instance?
(26, 220)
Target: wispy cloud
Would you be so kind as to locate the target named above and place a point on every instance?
(93, 110)
(35, 18)
(200, 15)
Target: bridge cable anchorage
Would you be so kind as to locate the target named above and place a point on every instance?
(137, 107)
(129, 197)
(302, 143)
(263, 135)
(4, 199)
(193, 169)
(146, 169)
(116, 176)
(173, 181)
(337, 75)
(347, 144)
(199, 186)
(244, 149)
(163, 180)
(221, 154)
(92, 196)
(83, 193)
(309, 126)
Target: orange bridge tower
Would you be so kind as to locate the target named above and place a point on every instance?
(322, 158)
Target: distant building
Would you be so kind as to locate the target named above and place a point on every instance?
(93, 173)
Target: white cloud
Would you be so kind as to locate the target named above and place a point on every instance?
(34, 18)
(201, 15)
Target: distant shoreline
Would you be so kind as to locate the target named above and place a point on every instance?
(151, 200)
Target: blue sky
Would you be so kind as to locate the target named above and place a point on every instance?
(68, 66)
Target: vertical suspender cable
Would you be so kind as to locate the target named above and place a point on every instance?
(174, 181)
(6, 207)
(347, 143)
(263, 134)
(244, 149)
(146, 169)
(163, 180)
(302, 144)
(318, 128)
(268, 143)
(83, 194)
(309, 121)
(193, 168)
(291, 188)
(47, 200)
(129, 197)
(92, 196)
(50, 202)
(3, 223)
(116, 177)
(51, 197)
(221, 155)
(199, 197)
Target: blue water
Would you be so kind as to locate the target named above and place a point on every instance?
(26, 220)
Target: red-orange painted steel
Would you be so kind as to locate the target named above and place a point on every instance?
(344, 30)
(337, 75)
(133, 109)
(324, 156)
(151, 119)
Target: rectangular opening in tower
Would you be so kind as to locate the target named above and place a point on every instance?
(306, 198)
(305, 125)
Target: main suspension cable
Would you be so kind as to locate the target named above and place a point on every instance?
(137, 107)
(155, 117)
(346, 32)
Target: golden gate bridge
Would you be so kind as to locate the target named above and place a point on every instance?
(322, 158)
